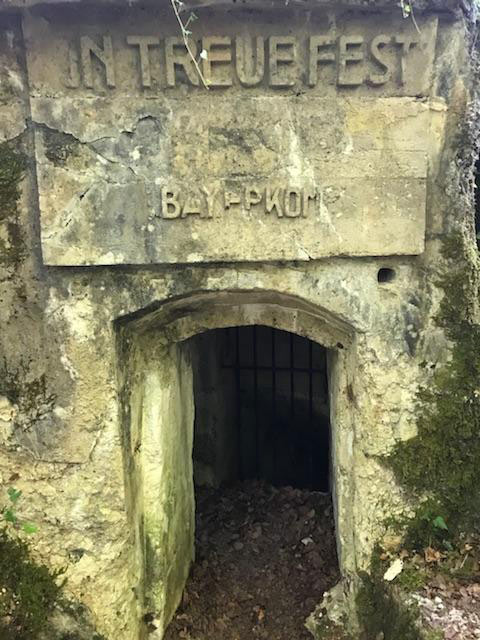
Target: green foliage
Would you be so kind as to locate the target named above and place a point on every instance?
(9, 514)
(427, 528)
(442, 461)
(439, 523)
(28, 591)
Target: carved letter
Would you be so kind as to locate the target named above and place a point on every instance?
(191, 207)
(317, 43)
(105, 55)
(347, 56)
(170, 204)
(273, 201)
(250, 73)
(406, 43)
(231, 198)
(181, 59)
(218, 51)
(210, 197)
(293, 197)
(307, 196)
(73, 80)
(376, 44)
(252, 196)
(281, 50)
(143, 42)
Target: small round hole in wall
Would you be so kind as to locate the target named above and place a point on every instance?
(385, 274)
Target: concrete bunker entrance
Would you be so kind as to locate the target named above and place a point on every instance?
(255, 385)
(265, 549)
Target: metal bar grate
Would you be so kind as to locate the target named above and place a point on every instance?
(280, 384)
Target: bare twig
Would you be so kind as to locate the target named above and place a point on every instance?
(183, 29)
(407, 12)
(463, 561)
(413, 19)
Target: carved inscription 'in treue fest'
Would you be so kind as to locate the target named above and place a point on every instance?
(314, 140)
(282, 202)
(278, 61)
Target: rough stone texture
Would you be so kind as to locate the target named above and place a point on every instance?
(73, 393)
(443, 6)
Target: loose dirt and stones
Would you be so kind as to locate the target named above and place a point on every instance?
(264, 558)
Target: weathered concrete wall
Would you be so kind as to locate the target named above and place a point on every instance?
(162, 500)
(63, 429)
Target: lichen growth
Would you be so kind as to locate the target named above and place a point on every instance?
(327, 630)
(29, 395)
(59, 146)
(441, 462)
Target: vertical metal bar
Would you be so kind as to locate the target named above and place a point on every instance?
(255, 401)
(292, 379)
(310, 382)
(327, 395)
(310, 410)
(274, 407)
(239, 404)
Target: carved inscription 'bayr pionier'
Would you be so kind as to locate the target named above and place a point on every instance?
(278, 61)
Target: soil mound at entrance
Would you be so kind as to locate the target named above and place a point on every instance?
(264, 558)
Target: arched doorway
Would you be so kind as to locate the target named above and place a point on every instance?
(264, 535)
(157, 381)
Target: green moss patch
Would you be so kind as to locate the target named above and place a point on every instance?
(440, 466)
(442, 462)
(12, 167)
(28, 591)
(381, 612)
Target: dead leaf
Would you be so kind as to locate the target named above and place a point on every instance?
(394, 570)
(432, 555)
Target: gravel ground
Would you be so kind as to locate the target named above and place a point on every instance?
(452, 608)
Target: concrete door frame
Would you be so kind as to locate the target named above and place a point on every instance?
(157, 399)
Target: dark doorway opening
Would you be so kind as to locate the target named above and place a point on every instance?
(261, 409)
(265, 533)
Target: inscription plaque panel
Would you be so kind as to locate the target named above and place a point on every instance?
(312, 140)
